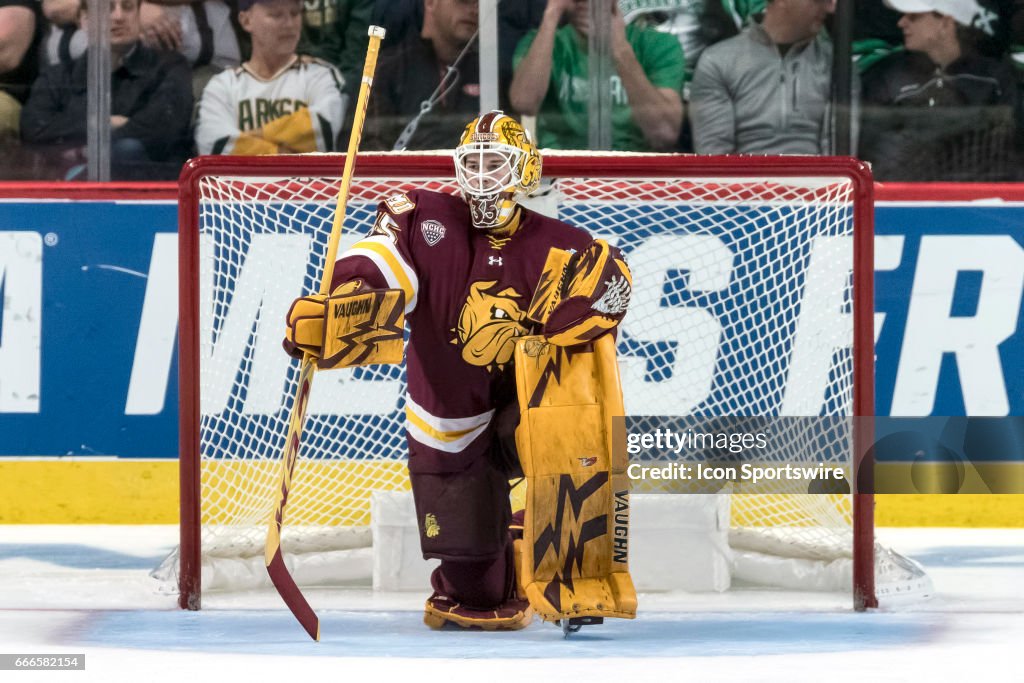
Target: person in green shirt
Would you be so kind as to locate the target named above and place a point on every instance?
(551, 81)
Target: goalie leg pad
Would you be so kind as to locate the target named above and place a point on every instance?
(462, 516)
(478, 595)
(575, 536)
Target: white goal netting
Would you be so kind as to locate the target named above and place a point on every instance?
(742, 305)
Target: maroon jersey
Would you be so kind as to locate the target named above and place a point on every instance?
(466, 297)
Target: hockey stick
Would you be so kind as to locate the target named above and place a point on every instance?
(283, 581)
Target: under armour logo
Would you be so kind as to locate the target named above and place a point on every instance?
(494, 260)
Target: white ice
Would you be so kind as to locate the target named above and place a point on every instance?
(86, 589)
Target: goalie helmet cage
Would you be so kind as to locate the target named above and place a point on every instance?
(258, 220)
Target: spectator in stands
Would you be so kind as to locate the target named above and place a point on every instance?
(65, 39)
(204, 32)
(398, 17)
(515, 19)
(940, 110)
(721, 19)
(876, 33)
(150, 104)
(995, 25)
(695, 24)
(21, 32)
(336, 30)
(767, 90)
(436, 71)
(277, 102)
(551, 81)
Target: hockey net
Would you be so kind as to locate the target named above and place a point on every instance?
(752, 296)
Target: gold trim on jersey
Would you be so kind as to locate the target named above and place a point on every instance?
(498, 242)
(397, 273)
(499, 237)
(448, 434)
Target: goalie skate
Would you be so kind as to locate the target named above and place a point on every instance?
(443, 612)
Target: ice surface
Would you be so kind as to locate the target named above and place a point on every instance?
(86, 589)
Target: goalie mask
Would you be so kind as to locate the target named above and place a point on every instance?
(495, 164)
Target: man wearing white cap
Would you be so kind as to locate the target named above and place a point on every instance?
(958, 95)
(940, 37)
(963, 12)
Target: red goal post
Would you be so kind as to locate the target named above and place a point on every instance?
(642, 200)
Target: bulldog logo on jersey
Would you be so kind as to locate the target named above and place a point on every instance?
(489, 323)
(433, 232)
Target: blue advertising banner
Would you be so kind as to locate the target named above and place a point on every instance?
(74, 279)
(948, 283)
(82, 282)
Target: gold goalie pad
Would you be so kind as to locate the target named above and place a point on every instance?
(363, 328)
(576, 532)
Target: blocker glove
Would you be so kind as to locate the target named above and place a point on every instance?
(305, 320)
(355, 325)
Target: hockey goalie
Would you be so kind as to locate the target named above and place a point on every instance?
(511, 373)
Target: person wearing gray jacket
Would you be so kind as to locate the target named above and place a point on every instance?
(767, 90)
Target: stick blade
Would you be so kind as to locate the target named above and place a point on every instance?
(292, 596)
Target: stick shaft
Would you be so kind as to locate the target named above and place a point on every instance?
(273, 557)
(376, 35)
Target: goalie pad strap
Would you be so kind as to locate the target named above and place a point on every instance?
(575, 537)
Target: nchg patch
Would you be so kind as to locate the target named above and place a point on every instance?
(433, 232)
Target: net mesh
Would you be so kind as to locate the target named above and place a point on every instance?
(742, 305)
